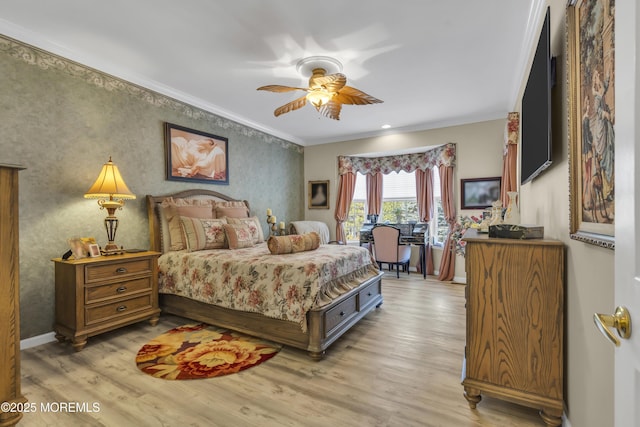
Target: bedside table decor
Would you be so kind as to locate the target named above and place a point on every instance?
(96, 295)
(111, 191)
(271, 224)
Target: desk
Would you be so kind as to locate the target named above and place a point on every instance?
(420, 239)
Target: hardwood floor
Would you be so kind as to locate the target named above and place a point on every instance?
(400, 366)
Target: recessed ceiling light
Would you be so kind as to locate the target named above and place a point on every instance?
(386, 126)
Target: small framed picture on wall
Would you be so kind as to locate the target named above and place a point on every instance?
(479, 193)
(318, 193)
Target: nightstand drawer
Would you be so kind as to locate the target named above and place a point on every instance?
(101, 313)
(113, 270)
(117, 290)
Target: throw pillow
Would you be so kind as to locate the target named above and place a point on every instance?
(254, 226)
(203, 233)
(279, 245)
(232, 209)
(172, 209)
(238, 235)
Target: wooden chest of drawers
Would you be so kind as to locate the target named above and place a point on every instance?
(95, 295)
(515, 323)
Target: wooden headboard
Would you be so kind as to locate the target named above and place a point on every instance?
(156, 230)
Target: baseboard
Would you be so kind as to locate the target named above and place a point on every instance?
(460, 279)
(37, 340)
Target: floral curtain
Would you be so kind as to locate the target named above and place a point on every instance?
(510, 157)
(441, 155)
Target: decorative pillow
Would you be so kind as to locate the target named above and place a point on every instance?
(254, 226)
(238, 235)
(203, 233)
(172, 209)
(232, 211)
(279, 245)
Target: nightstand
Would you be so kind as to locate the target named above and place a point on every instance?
(96, 295)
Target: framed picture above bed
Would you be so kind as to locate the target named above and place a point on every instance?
(196, 156)
(479, 193)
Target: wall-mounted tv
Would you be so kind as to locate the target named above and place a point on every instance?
(536, 110)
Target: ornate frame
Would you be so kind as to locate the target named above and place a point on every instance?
(203, 149)
(591, 76)
(314, 186)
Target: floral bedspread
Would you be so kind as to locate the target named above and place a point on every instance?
(251, 279)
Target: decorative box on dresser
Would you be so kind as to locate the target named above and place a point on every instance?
(9, 298)
(96, 295)
(515, 326)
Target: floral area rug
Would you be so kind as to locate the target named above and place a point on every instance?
(202, 351)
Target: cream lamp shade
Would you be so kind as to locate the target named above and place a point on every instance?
(111, 191)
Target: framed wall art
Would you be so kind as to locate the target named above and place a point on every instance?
(479, 193)
(590, 27)
(196, 156)
(318, 194)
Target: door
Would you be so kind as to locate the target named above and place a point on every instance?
(627, 257)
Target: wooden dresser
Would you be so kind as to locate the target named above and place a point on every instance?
(515, 312)
(9, 298)
(95, 295)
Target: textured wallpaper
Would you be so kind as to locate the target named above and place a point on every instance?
(62, 121)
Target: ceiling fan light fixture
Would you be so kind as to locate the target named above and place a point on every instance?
(319, 97)
(326, 92)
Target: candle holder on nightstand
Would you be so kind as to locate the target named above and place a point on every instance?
(271, 223)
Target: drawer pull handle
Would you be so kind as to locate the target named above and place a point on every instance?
(121, 308)
(121, 270)
(341, 313)
(369, 294)
(121, 289)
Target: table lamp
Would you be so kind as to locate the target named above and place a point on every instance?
(110, 190)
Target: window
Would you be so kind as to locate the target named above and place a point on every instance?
(357, 211)
(399, 205)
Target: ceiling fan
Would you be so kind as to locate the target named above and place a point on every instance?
(326, 92)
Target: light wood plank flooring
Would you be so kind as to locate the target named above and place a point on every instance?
(400, 366)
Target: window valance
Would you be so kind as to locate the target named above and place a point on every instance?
(442, 155)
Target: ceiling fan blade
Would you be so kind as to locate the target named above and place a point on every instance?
(353, 96)
(331, 110)
(331, 82)
(279, 88)
(293, 105)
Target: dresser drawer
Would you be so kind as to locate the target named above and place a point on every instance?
(104, 271)
(121, 308)
(339, 314)
(368, 294)
(117, 290)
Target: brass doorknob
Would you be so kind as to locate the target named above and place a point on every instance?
(621, 320)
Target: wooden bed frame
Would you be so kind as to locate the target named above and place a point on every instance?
(325, 324)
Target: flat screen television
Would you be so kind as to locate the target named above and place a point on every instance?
(536, 110)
